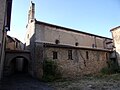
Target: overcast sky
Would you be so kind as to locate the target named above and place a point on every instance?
(92, 16)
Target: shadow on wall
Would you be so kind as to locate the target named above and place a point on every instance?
(117, 56)
(29, 45)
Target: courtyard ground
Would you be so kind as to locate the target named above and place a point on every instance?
(23, 82)
(106, 82)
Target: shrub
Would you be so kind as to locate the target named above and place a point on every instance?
(50, 70)
(105, 70)
(111, 68)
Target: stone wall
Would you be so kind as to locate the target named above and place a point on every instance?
(81, 64)
(2, 38)
(2, 15)
(10, 46)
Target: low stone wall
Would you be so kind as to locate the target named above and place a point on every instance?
(83, 61)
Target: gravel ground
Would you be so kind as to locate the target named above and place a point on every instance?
(23, 82)
(111, 82)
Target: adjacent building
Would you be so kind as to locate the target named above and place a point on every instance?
(116, 40)
(76, 53)
(13, 43)
(5, 17)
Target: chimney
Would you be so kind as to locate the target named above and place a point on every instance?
(31, 13)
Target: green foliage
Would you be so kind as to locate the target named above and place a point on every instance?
(105, 70)
(112, 67)
(50, 70)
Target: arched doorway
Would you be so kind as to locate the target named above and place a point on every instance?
(19, 65)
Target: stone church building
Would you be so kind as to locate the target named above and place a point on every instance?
(76, 53)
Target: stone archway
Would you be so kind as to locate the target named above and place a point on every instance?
(18, 64)
(13, 62)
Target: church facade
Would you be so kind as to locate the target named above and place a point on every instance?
(75, 52)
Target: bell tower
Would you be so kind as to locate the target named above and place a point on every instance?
(31, 13)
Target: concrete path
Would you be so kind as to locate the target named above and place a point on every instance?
(23, 82)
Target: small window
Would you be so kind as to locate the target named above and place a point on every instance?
(57, 41)
(55, 56)
(76, 44)
(16, 45)
(70, 54)
(87, 57)
(94, 46)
